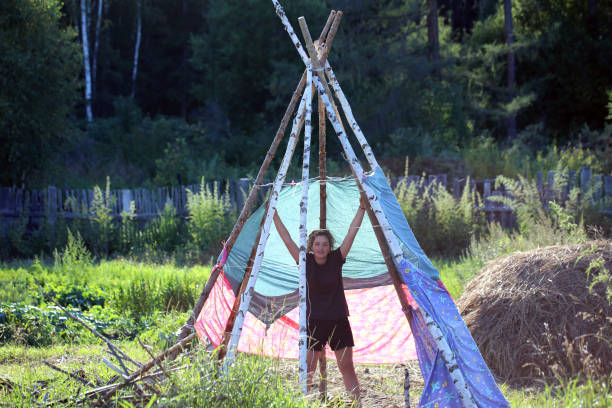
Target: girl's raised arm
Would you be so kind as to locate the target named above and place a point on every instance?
(286, 237)
(354, 228)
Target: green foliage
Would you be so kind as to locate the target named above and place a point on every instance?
(165, 233)
(142, 297)
(601, 277)
(209, 219)
(38, 87)
(442, 225)
(42, 326)
(76, 296)
(575, 393)
(119, 299)
(75, 260)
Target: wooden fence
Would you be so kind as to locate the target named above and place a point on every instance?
(53, 202)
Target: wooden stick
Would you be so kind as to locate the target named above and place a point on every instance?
(91, 329)
(327, 25)
(322, 168)
(322, 225)
(303, 336)
(229, 325)
(316, 64)
(235, 308)
(250, 288)
(188, 326)
(348, 113)
(445, 352)
(147, 366)
(72, 375)
(161, 367)
(337, 17)
(395, 278)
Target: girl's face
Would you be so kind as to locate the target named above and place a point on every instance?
(320, 248)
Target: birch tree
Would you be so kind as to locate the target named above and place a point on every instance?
(136, 46)
(86, 64)
(97, 44)
(511, 79)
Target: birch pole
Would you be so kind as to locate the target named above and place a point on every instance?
(445, 352)
(136, 46)
(97, 44)
(350, 118)
(246, 297)
(303, 368)
(86, 64)
(244, 213)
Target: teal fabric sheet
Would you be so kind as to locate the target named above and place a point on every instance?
(364, 266)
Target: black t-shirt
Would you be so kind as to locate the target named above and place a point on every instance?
(325, 291)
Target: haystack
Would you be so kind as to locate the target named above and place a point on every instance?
(534, 315)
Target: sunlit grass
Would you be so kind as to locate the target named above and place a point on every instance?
(569, 394)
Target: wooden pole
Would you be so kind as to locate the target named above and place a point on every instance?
(188, 326)
(232, 317)
(147, 366)
(322, 223)
(348, 113)
(303, 344)
(445, 352)
(395, 278)
(316, 64)
(265, 232)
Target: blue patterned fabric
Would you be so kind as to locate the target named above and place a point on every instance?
(421, 277)
(436, 301)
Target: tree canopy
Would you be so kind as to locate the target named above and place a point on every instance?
(185, 87)
(39, 71)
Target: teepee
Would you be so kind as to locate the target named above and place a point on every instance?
(255, 298)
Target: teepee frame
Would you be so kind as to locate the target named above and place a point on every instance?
(318, 74)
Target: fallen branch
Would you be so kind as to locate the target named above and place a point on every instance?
(147, 366)
(76, 377)
(88, 327)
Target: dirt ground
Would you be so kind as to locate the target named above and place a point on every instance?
(382, 386)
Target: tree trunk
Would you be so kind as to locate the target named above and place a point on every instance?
(592, 17)
(184, 68)
(85, 42)
(137, 47)
(511, 119)
(97, 45)
(433, 37)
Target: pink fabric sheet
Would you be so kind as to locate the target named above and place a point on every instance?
(382, 333)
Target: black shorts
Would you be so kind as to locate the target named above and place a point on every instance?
(337, 333)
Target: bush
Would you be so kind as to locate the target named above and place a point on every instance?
(210, 218)
(442, 225)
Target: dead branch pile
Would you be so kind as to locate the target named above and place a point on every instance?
(534, 316)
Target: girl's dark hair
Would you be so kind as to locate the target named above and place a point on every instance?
(314, 234)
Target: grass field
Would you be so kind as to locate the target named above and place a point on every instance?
(258, 382)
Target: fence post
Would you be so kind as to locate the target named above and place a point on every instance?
(456, 191)
(242, 190)
(585, 178)
(126, 199)
(52, 204)
(608, 185)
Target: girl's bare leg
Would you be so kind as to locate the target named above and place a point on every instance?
(312, 358)
(347, 369)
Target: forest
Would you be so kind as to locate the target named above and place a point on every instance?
(131, 132)
(162, 93)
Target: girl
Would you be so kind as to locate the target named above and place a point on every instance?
(327, 310)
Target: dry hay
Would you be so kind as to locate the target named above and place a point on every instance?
(533, 316)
